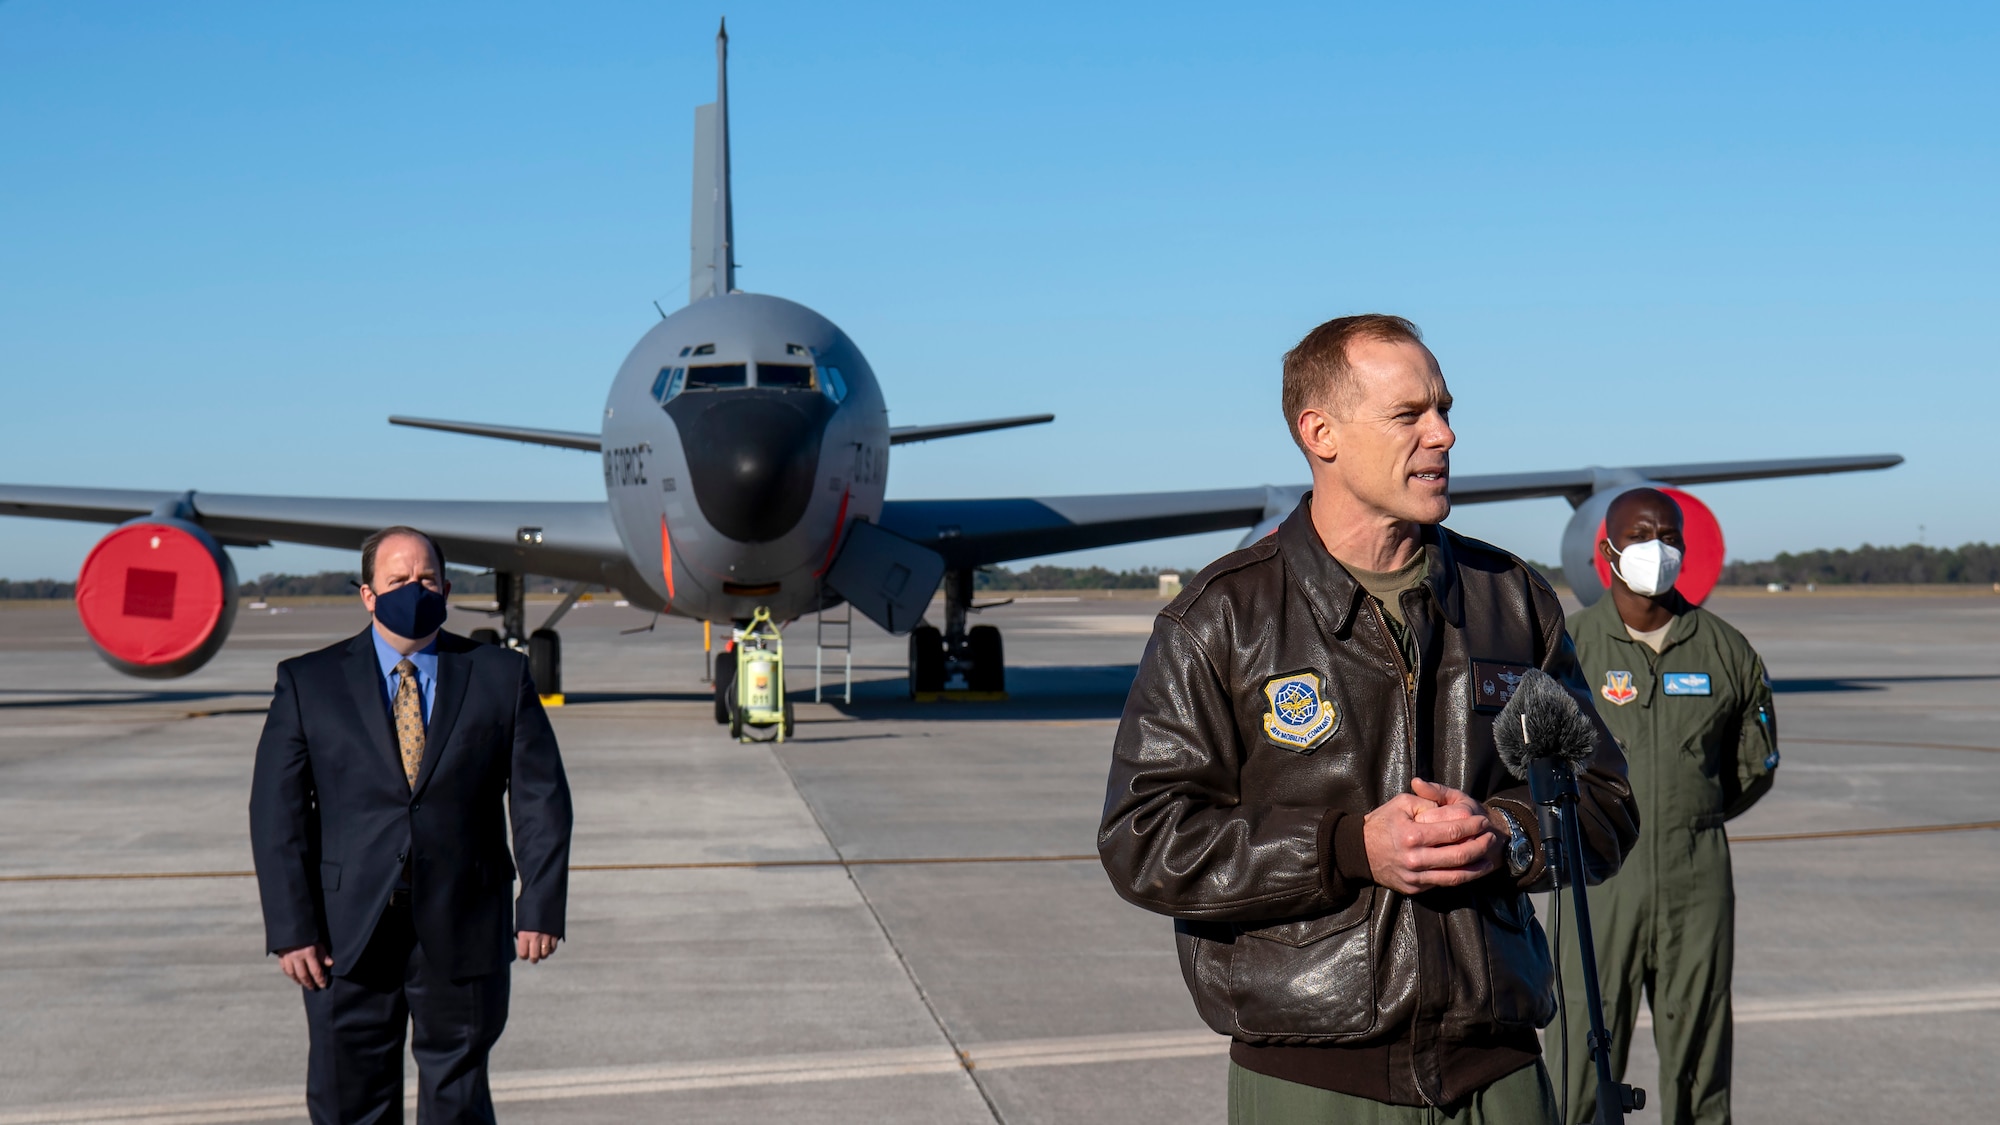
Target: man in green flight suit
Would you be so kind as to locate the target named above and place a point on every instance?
(1689, 700)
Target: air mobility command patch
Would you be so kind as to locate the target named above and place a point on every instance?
(1301, 717)
(1618, 688)
(1684, 683)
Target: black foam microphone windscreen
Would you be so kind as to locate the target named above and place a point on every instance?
(1541, 720)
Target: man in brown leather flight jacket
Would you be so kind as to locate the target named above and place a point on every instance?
(1305, 777)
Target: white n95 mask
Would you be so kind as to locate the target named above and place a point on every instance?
(1649, 568)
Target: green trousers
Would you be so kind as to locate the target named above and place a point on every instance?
(1665, 928)
(1521, 1098)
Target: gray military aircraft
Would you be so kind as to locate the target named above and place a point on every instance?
(746, 447)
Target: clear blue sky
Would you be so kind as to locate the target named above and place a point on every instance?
(237, 235)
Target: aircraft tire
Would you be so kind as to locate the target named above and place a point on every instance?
(989, 662)
(485, 636)
(545, 661)
(725, 687)
(926, 659)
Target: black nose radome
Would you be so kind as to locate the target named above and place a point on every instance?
(752, 456)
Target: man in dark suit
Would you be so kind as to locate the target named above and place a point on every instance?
(388, 767)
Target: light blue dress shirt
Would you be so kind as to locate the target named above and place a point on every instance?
(426, 661)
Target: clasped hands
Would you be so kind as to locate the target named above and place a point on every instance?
(308, 965)
(1432, 836)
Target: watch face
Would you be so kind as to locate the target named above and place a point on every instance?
(1520, 851)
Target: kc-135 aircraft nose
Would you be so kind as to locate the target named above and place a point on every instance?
(752, 455)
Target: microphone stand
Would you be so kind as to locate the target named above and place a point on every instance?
(1552, 785)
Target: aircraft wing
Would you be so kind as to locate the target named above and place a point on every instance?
(974, 533)
(1577, 485)
(573, 540)
(901, 435)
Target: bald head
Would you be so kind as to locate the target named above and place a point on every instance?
(1642, 514)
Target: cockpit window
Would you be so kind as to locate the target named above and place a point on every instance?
(716, 376)
(832, 384)
(789, 376)
(668, 384)
(719, 375)
(703, 349)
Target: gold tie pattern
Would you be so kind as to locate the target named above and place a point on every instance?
(409, 719)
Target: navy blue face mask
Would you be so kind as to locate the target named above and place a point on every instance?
(411, 610)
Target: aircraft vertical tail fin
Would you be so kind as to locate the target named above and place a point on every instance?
(712, 264)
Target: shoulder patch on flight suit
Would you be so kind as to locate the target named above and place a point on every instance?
(1493, 683)
(1301, 717)
(1618, 688)
(1684, 683)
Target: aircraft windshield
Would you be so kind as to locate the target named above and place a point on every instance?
(717, 376)
(786, 375)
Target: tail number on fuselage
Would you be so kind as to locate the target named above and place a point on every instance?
(626, 465)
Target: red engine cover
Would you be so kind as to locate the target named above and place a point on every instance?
(157, 597)
(1701, 562)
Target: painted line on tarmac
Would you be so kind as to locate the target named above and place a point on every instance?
(1864, 1005)
(1886, 742)
(931, 861)
(1854, 833)
(852, 1066)
(708, 865)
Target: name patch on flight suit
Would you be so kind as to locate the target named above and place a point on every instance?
(1684, 683)
(1301, 717)
(1493, 683)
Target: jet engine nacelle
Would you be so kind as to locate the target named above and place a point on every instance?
(157, 597)
(1590, 575)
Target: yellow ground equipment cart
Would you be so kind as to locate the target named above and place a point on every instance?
(760, 680)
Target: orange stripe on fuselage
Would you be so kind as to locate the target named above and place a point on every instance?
(667, 557)
(839, 525)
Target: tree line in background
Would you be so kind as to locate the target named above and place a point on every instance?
(1073, 578)
(1914, 562)
(1911, 563)
(325, 584)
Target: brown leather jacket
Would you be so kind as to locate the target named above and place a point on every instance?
(1271, 713)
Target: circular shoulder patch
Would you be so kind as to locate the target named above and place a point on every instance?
(1301, 717)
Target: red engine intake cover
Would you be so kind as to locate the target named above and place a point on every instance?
(1701, 561)
(157, 597)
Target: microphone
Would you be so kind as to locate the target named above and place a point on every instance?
(1542, 737)
(1542, 721)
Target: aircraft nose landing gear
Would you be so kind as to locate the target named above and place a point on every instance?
(958, 663)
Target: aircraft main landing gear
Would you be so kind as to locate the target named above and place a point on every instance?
(957, 663)
(543, 646)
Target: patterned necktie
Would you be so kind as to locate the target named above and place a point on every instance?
(409, 719)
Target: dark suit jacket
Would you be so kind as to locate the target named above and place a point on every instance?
(332, 819)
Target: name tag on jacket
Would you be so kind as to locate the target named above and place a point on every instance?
(1493, 683)
(1684, 683)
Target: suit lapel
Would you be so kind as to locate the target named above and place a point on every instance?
(454, 676)
(364, 680)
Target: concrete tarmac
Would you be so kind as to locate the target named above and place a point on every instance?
(874, 922)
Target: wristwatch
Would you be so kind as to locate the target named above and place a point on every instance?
(1520, 849)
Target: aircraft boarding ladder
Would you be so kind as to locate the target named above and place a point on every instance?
(825, 631)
